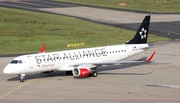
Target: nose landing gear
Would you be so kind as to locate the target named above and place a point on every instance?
(22, 77)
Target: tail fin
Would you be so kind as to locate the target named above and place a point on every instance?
(42, 48)
(142, 33)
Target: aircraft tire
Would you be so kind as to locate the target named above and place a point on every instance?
(94, 74)
(90, 75)
(21, 79)
(69, 73)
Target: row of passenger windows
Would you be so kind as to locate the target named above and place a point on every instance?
(109, 52)
(117, 51)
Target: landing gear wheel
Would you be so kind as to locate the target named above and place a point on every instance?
(69, 73)
(94, 74)
(22, 79)
(90, 75)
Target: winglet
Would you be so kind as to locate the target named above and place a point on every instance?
(42, 48)
(150, 58)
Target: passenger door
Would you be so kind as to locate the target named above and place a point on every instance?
(30, 59)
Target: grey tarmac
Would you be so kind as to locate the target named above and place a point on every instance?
(155, 82)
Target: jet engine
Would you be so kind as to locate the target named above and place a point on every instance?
(81, 72)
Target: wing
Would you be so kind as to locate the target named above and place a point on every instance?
(99, 63)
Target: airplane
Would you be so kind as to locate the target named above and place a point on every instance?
(82, 62)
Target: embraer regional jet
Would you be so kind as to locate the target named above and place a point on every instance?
(81, 62)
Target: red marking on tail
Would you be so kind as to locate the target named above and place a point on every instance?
(42, 48)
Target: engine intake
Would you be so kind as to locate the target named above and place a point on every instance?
(81, 72)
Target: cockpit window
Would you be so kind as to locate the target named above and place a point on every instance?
(16, 62)
(20, 61)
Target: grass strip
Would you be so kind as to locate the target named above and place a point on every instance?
(25, 31)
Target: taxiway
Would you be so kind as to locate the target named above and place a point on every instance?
(155, 82)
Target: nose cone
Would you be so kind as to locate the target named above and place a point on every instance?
(7, 70)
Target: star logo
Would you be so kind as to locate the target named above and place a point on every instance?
(143, 33)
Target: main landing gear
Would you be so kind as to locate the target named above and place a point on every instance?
(22, 77)
(93, 74)
(69, 73)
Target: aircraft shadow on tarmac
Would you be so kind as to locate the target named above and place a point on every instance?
(99, 70)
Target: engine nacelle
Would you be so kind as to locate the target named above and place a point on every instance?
(81, 72)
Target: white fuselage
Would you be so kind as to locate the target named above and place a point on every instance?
(62, 60)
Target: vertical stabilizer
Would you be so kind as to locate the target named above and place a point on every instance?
(142, 33)
(42, 48)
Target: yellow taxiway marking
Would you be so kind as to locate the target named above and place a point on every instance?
(18, 88)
